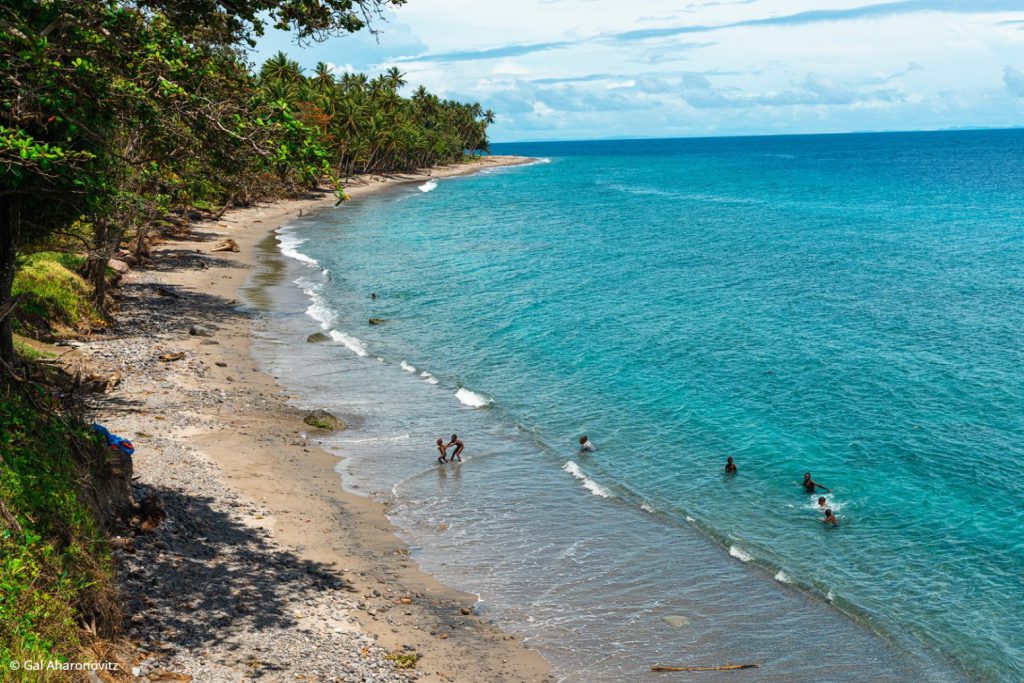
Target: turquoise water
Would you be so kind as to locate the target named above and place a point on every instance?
(845, 305)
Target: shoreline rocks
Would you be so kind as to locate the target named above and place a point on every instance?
(321, 419)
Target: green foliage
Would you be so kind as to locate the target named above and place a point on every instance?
(55, 297)
(365, 126)
(118, 115)
(58, 561)
(404, 659)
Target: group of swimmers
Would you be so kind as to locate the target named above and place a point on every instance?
(810, 486)
(586, 445)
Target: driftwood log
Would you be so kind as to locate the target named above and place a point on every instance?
(227, 244)
(723, 667)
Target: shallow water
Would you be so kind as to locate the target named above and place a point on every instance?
(847, 305)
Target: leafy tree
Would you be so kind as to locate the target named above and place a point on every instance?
(118, 115)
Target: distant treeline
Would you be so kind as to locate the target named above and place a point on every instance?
(119, 117)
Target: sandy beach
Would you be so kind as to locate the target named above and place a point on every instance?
(265, 568)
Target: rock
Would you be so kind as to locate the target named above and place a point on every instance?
(321, 419)
(377, 321)
(675, 621)
(465, 611)
(118, 266)
(169, 357)
(317, 337)
(200, 331)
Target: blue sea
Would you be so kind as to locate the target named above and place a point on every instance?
(850, 306)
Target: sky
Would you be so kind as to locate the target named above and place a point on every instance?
(593, 69)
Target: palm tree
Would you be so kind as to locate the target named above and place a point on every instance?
(280, 68)
(394, 78)
(323, 77)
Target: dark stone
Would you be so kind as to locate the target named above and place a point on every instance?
(321, 419)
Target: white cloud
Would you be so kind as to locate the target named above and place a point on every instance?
(1014, 81)
(558, 68)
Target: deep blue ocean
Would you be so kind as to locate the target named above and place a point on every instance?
(850, 306)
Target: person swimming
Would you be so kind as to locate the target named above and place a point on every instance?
(730, 466)
(458, 447)
(812, 486)
(830, 519)
(821, 501)
(587, 445)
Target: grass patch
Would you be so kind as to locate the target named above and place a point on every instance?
(26, 351)
(55, 572)
(56, 299)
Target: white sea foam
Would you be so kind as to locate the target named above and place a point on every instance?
(348, 341)
(428, 378)
(321, 313)
(405, 366)
(690, 519)
(471, 398)
(830, 596)
(783, 577)
(740, 554)
(428, 186)
(646, 508)
(588, 483)
(289, 246)
(318, 309)
(834, 505)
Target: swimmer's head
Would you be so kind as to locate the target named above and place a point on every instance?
(583, 439)
(828, 512)
(454, 437)
(729, 460)
(807, 475)
(821, 501)
(440, 442)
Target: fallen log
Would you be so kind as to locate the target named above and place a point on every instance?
(723, 667)
(226, 245)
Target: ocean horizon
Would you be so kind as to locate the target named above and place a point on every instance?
(845, 305)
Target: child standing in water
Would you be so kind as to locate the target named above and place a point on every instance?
(443, 450)
(458, 447)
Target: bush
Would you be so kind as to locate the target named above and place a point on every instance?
(56, 299)
(55, 571)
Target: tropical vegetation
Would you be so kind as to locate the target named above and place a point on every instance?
(120, 119)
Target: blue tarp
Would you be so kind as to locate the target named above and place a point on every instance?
(116, 442)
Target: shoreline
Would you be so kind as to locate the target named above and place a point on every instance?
(214, 412)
